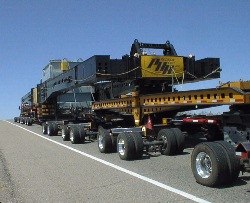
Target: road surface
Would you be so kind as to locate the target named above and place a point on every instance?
(38, 168)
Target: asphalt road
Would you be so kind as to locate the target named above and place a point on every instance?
(38, 168)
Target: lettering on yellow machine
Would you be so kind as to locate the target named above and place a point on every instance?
(162, 66)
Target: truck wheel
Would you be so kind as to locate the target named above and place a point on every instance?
(180, 139)
(44, 128)
(65, 133)
(138, 144)
(104, 140)
(29, 122)
(15, 119)
(22, 121)
(126, 146)
(232, 161)
(168, 137)
(82, 134)
(209, 164)
(74, 135)
(50, 129)
(114, 142)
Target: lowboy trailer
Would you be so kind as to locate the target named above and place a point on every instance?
(130, 106)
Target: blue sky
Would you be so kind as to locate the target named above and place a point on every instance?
(34, 32)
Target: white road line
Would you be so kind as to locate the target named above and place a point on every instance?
(149, 180)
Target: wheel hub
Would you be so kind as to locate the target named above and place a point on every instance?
(71, 136)
(100, 141)
(203, 165)
(121, 147)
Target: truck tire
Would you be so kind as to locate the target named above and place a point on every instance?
(29, 122)
(126, 146)
(82, 134)
(50, 129)
(232, 161)
(65, 133)
(180, 140)
(209, 164)
(22, 121)
(44, 128)
(138, 144)
(168, 137)
(114, 142)
(74, 135)
(104, 140)
(15, 119)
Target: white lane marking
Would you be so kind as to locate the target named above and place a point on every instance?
(149, 180)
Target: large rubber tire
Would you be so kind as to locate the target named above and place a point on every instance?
(168, 137)
(74, 135)
(126, 146)
(50, 129)
(44, 128)
(82, 134)
(104, 140)
(15, 119)
(114, 142)
(209, 164)
(29, 122)
(232, 161)
(180, 140)
(22, 120)
(65, 133)
(138, 144)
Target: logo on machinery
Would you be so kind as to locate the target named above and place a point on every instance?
(164, 65)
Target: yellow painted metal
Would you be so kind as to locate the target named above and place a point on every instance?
(162, 66)
(222, 96)
(147, 104)
(243, 85)
(64, 65)
(34, 92)
(164, 121)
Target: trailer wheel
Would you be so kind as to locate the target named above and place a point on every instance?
(44, 128)
(22, 121)
(232, 161)
(50, 129)
(65, 133)
(138, 144)
(29, 122)
(180, 139)
(74, 135)
(126, 146)
(82, 134)
(114, 142)
(168, 137)
(209, 164)
(104, 140)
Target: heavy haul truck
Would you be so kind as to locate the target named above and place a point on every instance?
(130, 105)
